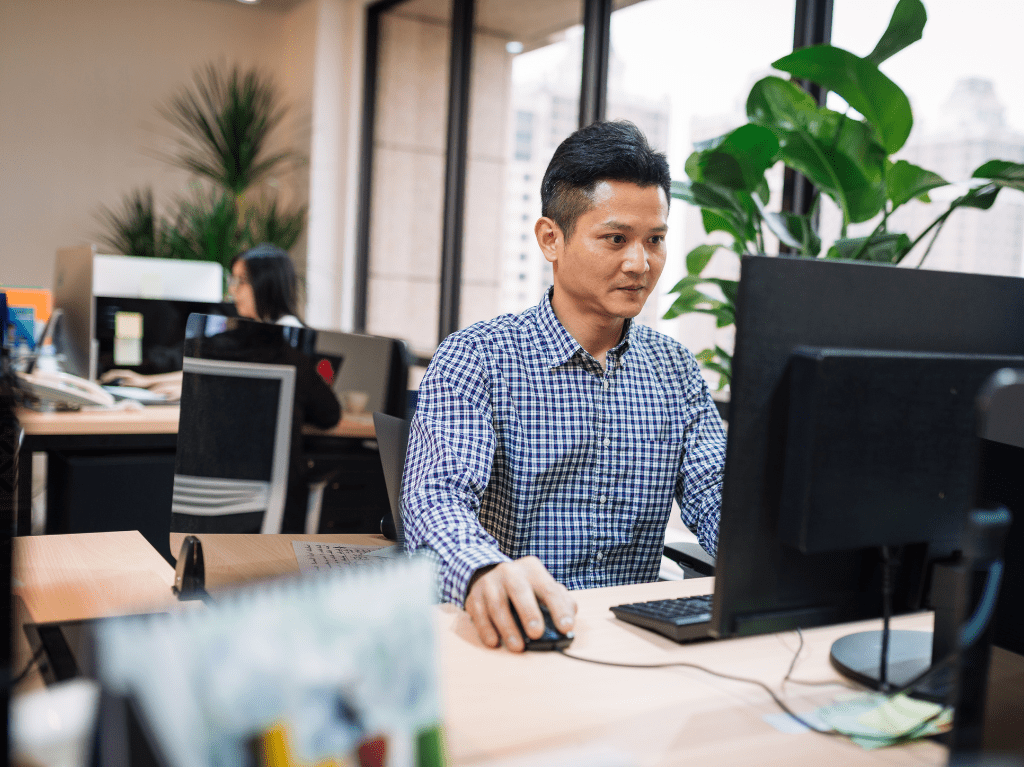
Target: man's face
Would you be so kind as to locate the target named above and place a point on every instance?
(616, 254)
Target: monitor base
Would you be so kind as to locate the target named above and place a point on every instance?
(858, 656)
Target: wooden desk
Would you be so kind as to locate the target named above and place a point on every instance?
(157, 419)
(152, 431)
(68, 577)
(505, 707)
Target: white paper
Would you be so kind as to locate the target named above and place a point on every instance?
(315, 557)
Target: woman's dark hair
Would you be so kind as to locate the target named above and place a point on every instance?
(604, 151)
(272, 277)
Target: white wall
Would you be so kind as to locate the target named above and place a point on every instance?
(80, 85)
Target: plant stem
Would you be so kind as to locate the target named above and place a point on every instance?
(937, 222)
(867, 240)
(929, 248)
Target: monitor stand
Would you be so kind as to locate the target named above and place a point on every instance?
(858, 656)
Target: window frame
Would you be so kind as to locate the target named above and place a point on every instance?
(812, 25)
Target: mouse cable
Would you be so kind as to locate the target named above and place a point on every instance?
(900, 738)
(804, 682)
(28, 667)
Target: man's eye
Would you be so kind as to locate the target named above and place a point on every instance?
(658, 239)
(618, 239)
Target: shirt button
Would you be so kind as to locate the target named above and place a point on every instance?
(600, 556)
(607, 442)
(606, 383)
(603, 499)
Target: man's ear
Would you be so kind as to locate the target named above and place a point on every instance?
(549, 237)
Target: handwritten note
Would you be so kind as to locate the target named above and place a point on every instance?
(315, 557)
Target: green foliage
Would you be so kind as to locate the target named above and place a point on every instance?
(224, 119)
(207, 228)
(135, 229)
(267, 223)
(846, 156)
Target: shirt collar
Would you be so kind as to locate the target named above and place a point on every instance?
(561, 345)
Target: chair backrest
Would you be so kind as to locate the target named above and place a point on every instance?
(392, 442)
(234, 440)
(247, 388)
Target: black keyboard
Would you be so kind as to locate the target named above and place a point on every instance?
(678, 619)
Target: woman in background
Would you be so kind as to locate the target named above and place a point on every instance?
(264, 287)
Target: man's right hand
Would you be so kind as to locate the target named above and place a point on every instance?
(522, 581)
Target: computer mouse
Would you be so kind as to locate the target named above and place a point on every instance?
(551, 639)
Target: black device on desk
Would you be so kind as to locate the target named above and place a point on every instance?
(161, 325)
(837, 312)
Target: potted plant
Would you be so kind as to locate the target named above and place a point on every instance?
(849, 159)
(224, 120)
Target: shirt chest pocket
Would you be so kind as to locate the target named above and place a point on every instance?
(648, 451)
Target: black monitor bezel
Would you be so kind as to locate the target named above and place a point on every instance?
(784, 303)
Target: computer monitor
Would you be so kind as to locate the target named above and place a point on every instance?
(92, 289)
(1001, 483)
(154, 345)
(764, 581)
(374, 369)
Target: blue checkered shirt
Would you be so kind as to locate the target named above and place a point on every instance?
(522, 444)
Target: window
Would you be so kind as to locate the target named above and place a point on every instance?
(963, 82)
(673, 111)
(430, 263)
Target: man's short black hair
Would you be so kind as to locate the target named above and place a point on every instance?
(603, 151)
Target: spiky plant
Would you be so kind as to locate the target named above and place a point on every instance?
(206, 228)
(225, 119)
(134, 229)
(266, 222)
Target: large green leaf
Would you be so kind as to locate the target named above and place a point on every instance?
(724, 209)
(699, 257)
(860, 83)
(905, 27)
(802, 229)
(980, 197)
(681, 191)
(719, 221)
(777, 225)
(709, 196)
(840, 156)
(887, 248)
(904, 181)
(1003, 173)
(780, 105)
(739, 160)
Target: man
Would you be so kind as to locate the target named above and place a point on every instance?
(547, 446)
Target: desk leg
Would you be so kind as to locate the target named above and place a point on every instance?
(23, 524)
(10, 472)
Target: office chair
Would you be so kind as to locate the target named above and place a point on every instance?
(234, 439)
(392, 441)
(353, 489)
(694, 561)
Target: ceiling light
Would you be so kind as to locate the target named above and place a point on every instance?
(514, 46)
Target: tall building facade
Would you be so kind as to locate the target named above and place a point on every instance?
(969, 130)
(543, 114)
